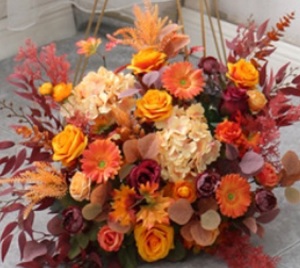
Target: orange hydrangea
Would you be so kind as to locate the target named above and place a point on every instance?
(233, 195)
(183, 81)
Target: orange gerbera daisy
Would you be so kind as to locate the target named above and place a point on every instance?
(183, 81)
(101, 161)
(233, 195)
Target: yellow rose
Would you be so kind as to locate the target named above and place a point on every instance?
(147, 60)
(46, 88)
(61, 91)
(243, 73)
(256, 101)
(155, 243)
(155, 105)
(80, 186)
(68, 145)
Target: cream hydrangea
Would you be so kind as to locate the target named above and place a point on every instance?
(97, 93)
(187, 145)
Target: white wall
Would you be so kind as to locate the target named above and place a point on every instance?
(239, 11)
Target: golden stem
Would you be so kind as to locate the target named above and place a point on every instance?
(202, 23)
(180, 18)
(213, 30)
(87, 33)
(216, 7)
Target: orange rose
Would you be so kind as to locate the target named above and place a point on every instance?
(155, 243)
(228, 131)
(147, 60)
(268, 176)
(243, 74)
(184, 189)
(61, 91)
(256, 101)
(109, 240)
(155, 105)
(80, 186)
(68, 145)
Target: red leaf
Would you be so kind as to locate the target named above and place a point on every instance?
(34, 249)
(20, 159)
(268, 216)
(8, 229)
(25, 95)
(262, 74)
(7, 191)
(6, 144)
(5, 246)
(281, 73)
(261, 30)
(296, 80)
(27, 224)
(251, 163)
(12, 207)
(30, 264)
(54, 226)
(8, 166)
(22, 241)
(291, 91)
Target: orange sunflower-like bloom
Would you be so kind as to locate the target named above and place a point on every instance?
(183, 81)
(122, 206)
(88, 47)
(233, 195)
(101, 161)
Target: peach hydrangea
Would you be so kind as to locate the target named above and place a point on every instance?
(187, 145)
(97, 93)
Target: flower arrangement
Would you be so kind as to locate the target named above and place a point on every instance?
(156, 160)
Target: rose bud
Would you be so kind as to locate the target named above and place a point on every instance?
(234, 99)
(209, 65)
(147, 171)
(206, 183)
(72, 219)
(265, 200)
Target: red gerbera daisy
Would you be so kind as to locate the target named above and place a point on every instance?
(101, 161)
(182, 80)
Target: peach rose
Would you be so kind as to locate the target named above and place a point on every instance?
(243, 74)
(61, 91)
(256, 101)
(147, 60)
(80, 186)
(68, 145)
(155, 105)
(155, 243)
(268, 176)
(109, 240)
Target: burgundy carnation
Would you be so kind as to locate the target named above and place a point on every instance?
(206, 183)
(72, 219)
(209, 65)
(265, 200)
(147, 171)
(234, 99)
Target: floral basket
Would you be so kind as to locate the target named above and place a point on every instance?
(157, 160)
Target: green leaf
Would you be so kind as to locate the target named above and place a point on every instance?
(91, 211)
(74, 249)
(178, 253)
(128, 257)
(83, 240)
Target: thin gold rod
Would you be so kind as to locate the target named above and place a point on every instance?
(216, 8)
(180, 18)
(213, 30)
(99, 21)
(87, 33)
(202, 23)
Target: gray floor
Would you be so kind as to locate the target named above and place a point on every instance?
(282, 236)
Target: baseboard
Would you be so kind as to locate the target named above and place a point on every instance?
(57, 24)
(283, 54)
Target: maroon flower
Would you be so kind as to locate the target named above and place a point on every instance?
(209, 65)
(206, 183)
(234, 99)
(72, 219)
(147, 170)
(265, 200)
